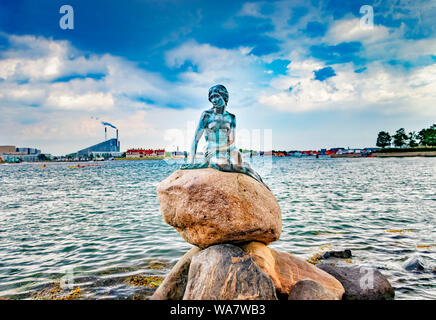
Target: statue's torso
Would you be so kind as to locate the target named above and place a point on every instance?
(217, 130)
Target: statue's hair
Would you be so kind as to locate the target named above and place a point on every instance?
(221, 90)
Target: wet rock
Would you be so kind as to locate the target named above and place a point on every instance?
(310, 290)
(173, 287)
(344, 254)
(225, 272)
(208, 206)
(286, 270)
(361, 283)
(414, 264)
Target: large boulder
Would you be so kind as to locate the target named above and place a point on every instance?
(225, 272)
(208, 206)
(361, 283)
(307, 289)
(286, 270)
(174, 285)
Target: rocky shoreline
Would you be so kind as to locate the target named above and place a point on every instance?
(230, 219)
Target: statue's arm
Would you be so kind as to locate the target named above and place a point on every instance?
(197, 135)
(232, 130)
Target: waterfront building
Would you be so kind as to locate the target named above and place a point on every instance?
(309, 152)
(28, 150)
(178, 154)
(144, 153)
(369, 150)
(21, 156)
(7, 149)
(335, 150)
(106, 147)
(13, 154)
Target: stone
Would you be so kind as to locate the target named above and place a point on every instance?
(286, 270)
(361, 283)
(208, 206)
(225, 272)
(414, 264)
(307, 289)
(344, 254)
(174, 285)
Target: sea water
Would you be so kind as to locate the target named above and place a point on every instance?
(96, 226)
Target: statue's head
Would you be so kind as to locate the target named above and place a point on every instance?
(218, 96)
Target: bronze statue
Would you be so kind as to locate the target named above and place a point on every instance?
(218, 127)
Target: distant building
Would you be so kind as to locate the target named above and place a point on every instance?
(143, 153)
(7, 149)
(334, 150)
(106, 147)
(370, 149)
(322, 152)
(28, 150)
(96, 155)
(13, 154)
(178, 154)
(309, 152)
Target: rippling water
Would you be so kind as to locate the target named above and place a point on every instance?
(95, 227)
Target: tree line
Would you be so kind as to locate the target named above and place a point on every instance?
(425, 137)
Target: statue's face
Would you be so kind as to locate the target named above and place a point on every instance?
(217, 101)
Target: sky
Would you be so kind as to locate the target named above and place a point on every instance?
(300, 74)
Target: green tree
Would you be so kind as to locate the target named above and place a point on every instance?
(412, 139)
(42, 157)
(400, 138)
(383, 139)
(427, 137)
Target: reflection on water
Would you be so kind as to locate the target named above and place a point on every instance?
(99, 229)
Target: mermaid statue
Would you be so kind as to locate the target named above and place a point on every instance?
(218, 127)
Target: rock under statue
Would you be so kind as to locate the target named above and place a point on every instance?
(218, 126)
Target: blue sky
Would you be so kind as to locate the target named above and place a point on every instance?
(310, 71)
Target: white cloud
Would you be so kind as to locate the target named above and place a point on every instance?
(251, 9)
(62, 121)
(241, 73)
(380, 87)
(349, 29)
(57, 114)
(88, 101)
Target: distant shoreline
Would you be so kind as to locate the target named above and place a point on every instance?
(405, 154)
(142, 158)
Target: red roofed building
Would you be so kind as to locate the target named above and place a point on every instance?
(310, 152)
(143, 153)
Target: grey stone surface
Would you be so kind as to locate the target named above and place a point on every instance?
(308, 289)
(225, 272)
(414, 264)
(361, 283)
(174, 285)
(344, 254)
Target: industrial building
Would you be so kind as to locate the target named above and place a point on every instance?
(13, 154)
(109, 147)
